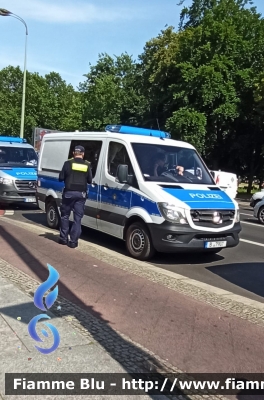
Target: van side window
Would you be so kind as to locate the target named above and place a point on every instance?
(92, 151)
(117, 154)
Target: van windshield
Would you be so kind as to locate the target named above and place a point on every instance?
(17, 156)
(171, 164)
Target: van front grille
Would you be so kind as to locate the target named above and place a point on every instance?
(213, 218)
(26, 185)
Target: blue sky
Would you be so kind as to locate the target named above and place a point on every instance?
(66, 35)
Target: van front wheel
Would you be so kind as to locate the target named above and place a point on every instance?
(138, 242)
(52, 215)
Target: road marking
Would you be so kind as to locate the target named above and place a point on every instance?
(251, 223)
(9, 212)
(250, 242)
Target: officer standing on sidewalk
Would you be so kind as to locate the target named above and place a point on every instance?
(76, 173)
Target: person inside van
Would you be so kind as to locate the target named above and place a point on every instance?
(159, 165)
(3, 158)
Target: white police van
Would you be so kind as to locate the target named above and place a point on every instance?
(18, 171)
(165, 213)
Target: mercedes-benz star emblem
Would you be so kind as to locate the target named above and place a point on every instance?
(31, 184)
(217, 218)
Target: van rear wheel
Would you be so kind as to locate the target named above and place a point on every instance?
(138, 242)
(52, 215)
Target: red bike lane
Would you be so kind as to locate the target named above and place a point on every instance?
(191, 335)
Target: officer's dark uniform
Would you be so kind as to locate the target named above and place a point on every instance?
(76, 173)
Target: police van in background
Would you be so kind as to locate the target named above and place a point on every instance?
(18, 171)
(166, 213)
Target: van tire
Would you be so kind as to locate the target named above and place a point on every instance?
(261, 215)
(138, 242)
(52, 215)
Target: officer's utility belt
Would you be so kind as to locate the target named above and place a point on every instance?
(84, 193)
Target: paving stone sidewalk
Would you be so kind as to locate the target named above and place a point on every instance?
(76, 353)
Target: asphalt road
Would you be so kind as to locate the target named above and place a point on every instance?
(239, 270)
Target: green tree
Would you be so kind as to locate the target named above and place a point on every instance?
(158, 72)
(50, 103)
(62, 108)
(111, 94)
(188, 125)
(200, 80)
(10, 100)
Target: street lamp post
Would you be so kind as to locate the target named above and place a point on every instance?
(6, 13)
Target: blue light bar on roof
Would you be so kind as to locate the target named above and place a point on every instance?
(11, 139)
(133, 130)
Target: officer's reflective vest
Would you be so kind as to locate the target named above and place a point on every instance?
(77, 179)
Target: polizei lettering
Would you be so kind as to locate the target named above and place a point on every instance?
(205, 196)
(26, 173)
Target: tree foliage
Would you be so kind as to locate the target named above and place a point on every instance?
(111, 93)
(50, 103)
(202, 79)
(203, 82)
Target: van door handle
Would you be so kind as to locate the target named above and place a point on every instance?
(106, 186)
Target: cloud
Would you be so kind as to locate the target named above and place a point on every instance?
(66, 11)
(46, 69)
(6, 61)
(33, 65)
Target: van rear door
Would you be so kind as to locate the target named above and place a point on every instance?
(94, 154)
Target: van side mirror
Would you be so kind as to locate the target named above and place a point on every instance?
(122, 173)
(212, 173)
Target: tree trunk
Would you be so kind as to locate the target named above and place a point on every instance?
(251, 173)
(215, 164)
(217, 149)
(250, 184)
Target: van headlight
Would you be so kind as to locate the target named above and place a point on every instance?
(5, 181)
(172, 213)
(237, 216)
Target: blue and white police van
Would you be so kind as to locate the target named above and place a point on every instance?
(151, 208)
(18, 171)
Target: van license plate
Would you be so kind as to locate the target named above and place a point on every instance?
(30, 200)
(210, 245)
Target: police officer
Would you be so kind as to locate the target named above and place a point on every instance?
(75, 174)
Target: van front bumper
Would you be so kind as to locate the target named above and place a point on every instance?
(169, 238)
(8, 197)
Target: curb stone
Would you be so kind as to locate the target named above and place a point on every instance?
(130, 354)
(243, 199)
